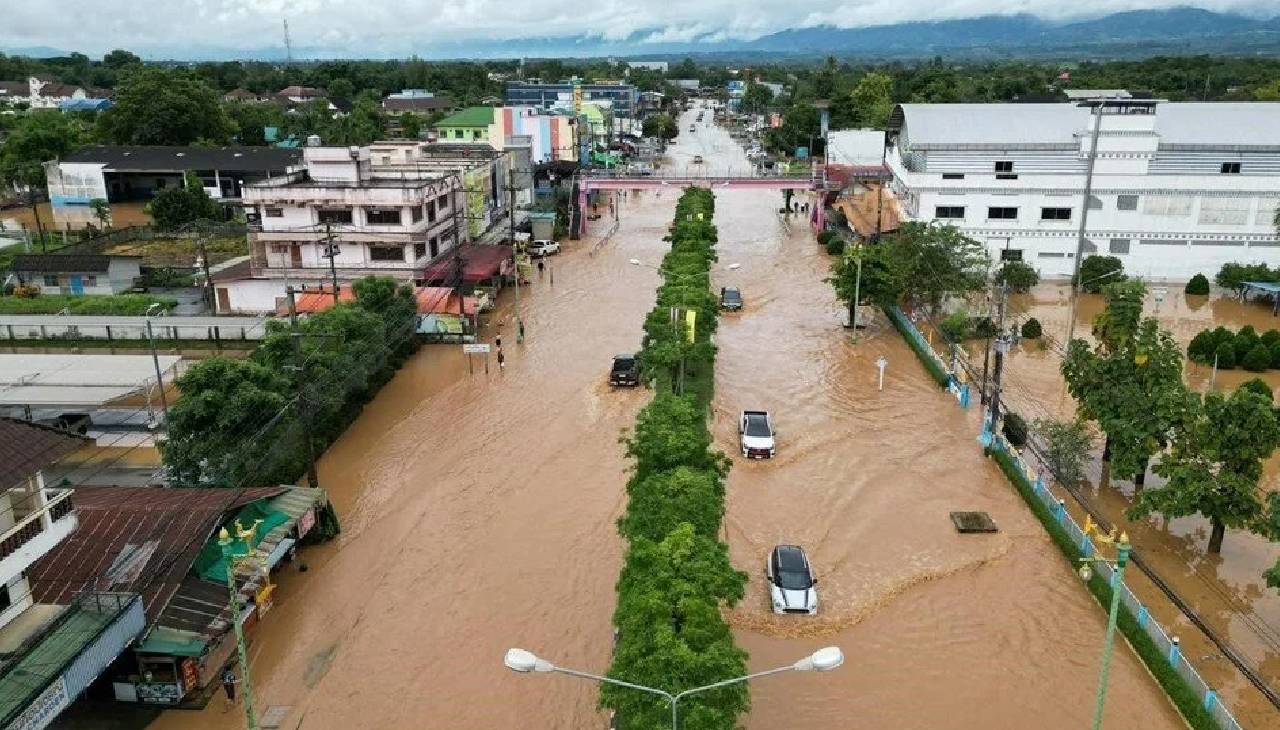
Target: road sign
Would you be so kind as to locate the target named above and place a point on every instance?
(881, 362)
(476, 349)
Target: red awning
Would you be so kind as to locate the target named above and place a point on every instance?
(479, 263)
(441, 300)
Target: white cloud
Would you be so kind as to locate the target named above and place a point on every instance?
(400, 27)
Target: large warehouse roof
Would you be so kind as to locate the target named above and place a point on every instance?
(1208, 124)
(75, 380)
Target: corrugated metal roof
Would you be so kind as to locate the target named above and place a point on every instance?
(86, 380)
(177, 521)
(26, 448)
(65, 262)
(1226, 124)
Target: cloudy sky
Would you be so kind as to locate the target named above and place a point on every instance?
(401, 27)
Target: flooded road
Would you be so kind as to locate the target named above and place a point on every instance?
(478, 514)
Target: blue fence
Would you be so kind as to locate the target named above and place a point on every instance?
(991, 438)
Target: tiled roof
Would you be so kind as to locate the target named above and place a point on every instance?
(26, 448)
(136, 539)
(417, 103)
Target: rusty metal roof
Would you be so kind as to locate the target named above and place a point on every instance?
(26, 448)
(137, 539)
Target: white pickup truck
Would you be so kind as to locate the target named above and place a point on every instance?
(755, 430)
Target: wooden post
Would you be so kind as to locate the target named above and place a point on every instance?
(108, 333)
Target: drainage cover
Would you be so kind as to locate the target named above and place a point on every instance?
(973, 522)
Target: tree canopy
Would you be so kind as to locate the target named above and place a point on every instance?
(159, 106)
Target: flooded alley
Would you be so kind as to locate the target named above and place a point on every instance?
(478, 514)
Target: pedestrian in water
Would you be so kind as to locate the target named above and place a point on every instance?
(229, 686)
(502, 361)
(541, 266)
(497, 342)
(520, 325)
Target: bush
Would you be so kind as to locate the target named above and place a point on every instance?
(1259, 386)
(1095, 273)
(1031, 329)
(1015, 430)
(984, 327)
(825, 237)
(1275, 355)
(1019, 276)
(1202, 347)
(1258, 359)
(1226, 355)
(1244, 342)
(1270, 338)
(835, 245)
(1233, 276)
(1066, 448)
(1198, 285)
(955, 326)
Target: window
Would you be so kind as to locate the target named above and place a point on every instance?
(90, 280)
(1163, 242)
(416, 213)
(948, 211)
(382, 216)
(1167, 205)
(1126, 202)
(272, 211)
(442, 202)
(419, 250)
(431, 211)
(334, 215)
(386, 253)
(1055, 214)
(1224, 211)
(1119, 246)
(1050, 255)
(435, 246)
(50, 279)
(1004, 165)
(1095, 203)
(1089, 246)
(475, 135)
(1006, 176)
(1231, 168)
(5, 599)
(1002, 213)
(953, 176)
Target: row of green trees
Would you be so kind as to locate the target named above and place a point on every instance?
(1229, 349)
(247, 421)
(1209, 449)
(676, 575)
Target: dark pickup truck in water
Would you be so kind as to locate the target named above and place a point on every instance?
(625, 371)
(730, 298)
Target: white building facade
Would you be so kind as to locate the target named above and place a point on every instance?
(1177, 188)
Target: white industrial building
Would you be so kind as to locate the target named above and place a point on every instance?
(1176, 188)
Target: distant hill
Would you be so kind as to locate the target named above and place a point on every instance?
(1192, 28)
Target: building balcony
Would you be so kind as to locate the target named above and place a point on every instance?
(39, 519)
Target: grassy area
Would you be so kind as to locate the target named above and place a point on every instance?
(1187, 700)
(181, 251)
(104, 304)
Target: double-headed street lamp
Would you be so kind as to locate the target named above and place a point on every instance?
(822, 660)
(1117, 585)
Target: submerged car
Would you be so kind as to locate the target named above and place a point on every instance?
(730, 298)
(625, 371)
(791, 582)
(755, 430)
(697, 159)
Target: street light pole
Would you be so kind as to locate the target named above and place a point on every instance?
(155, 360)
(822, 660)
(1117, 584)
(226, 543)
(1076, 284)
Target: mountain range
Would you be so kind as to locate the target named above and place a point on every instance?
(1139, 33)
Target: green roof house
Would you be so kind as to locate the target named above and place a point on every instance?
(469, 125)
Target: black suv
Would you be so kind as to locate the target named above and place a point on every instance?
(625, 371)
(730, 298)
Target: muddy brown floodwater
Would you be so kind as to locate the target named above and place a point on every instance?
(479, 514)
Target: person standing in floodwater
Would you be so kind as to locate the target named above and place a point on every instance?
(502, 361)
(229, 687)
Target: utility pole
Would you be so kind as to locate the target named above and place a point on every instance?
(1084, 220)
(515, 258)
(208, 278)
(155, 361)
(331, 253)
(1001, 345)
(304, 413)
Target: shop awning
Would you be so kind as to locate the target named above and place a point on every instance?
(480, 262)
(174, 642)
